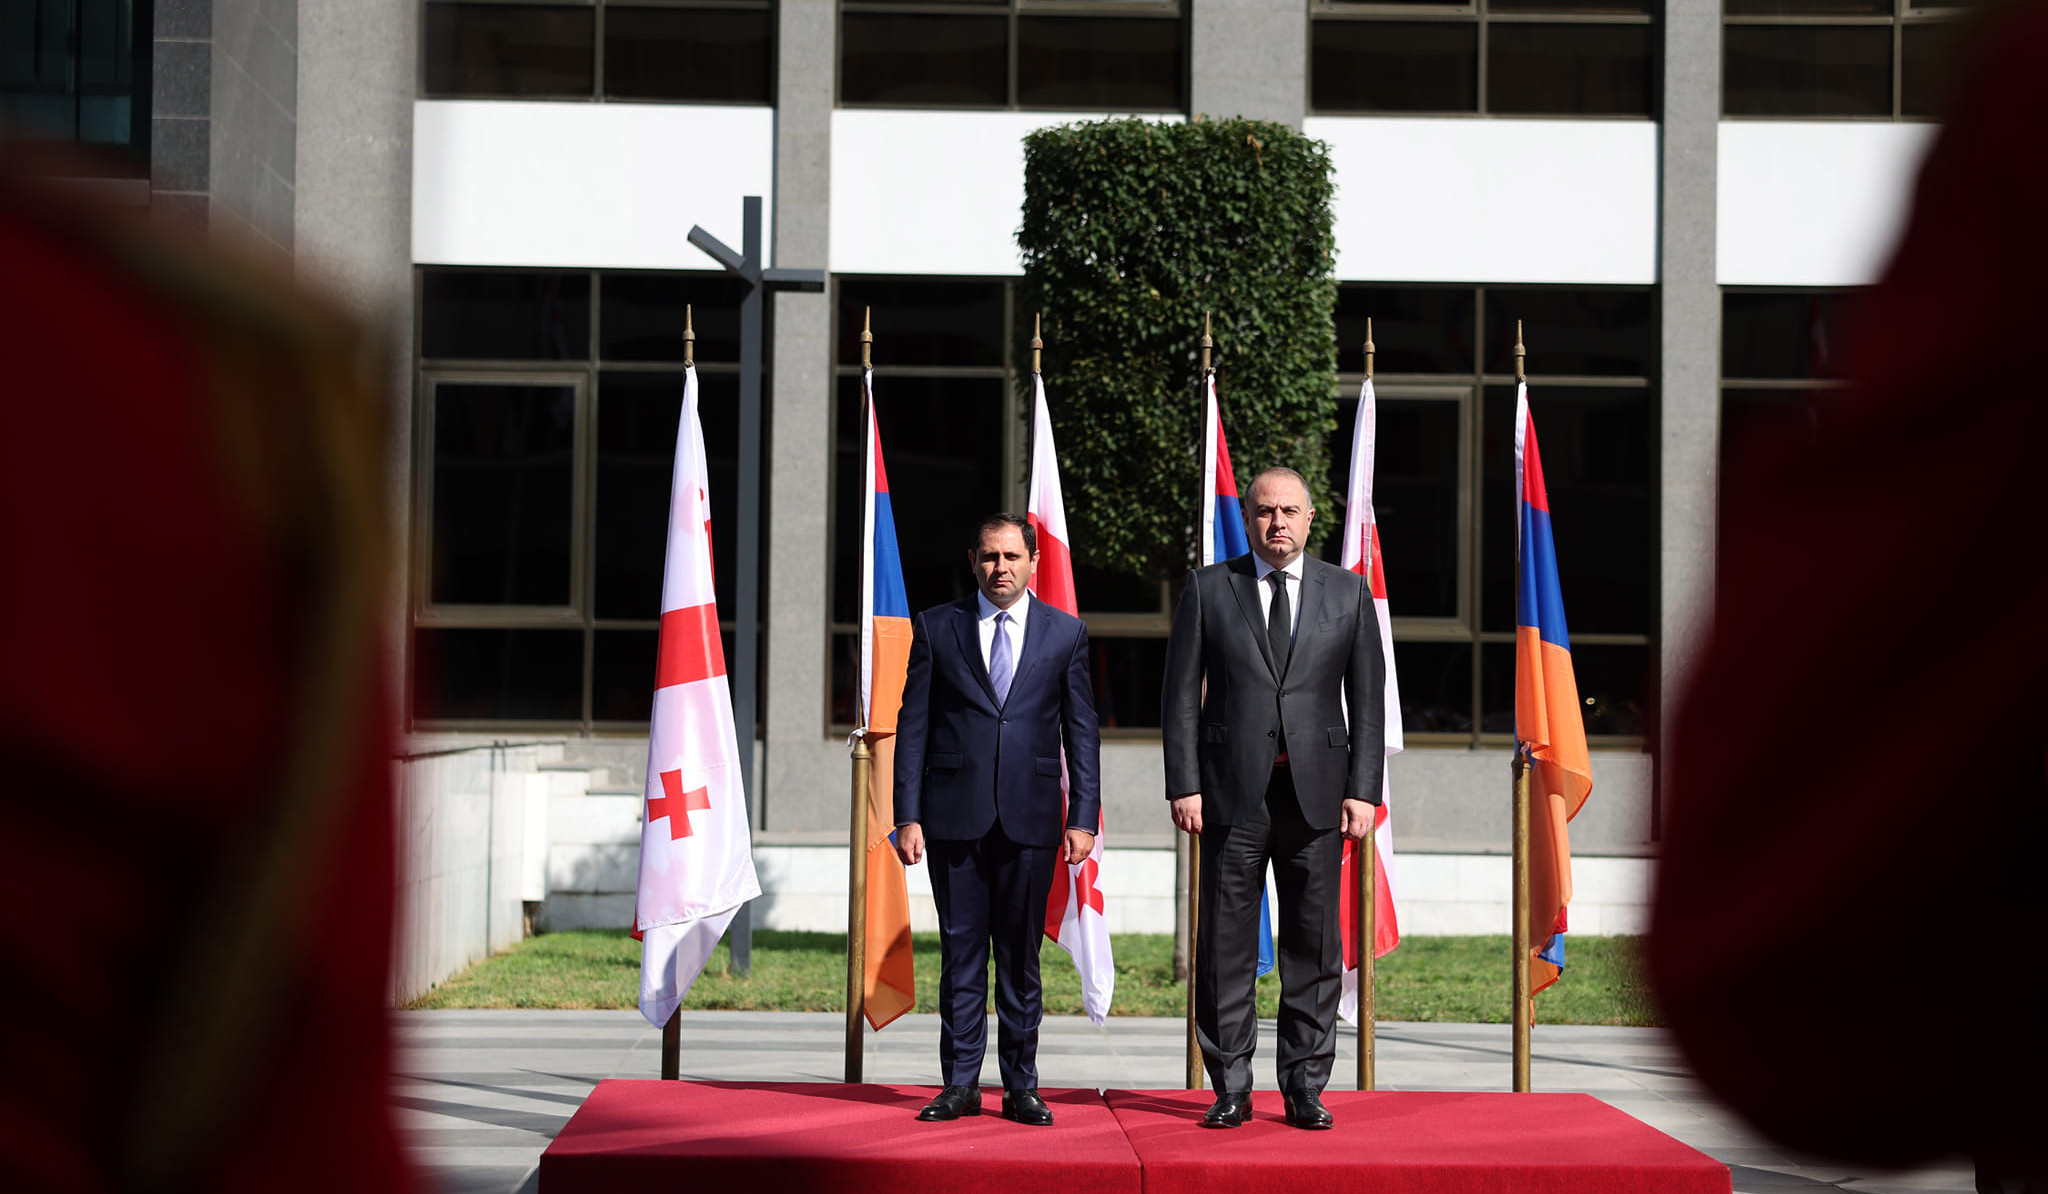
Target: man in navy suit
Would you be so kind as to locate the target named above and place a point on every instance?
(996, 687)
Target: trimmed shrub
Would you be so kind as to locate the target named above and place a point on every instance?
(1132, 230)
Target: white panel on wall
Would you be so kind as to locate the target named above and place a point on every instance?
(1812, 203)
(930, 192)
(1461, 200)
(585, 185)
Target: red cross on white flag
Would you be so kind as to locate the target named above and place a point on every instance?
(1073, 908)
(696, 856)
(676, 804)
(1362, 555)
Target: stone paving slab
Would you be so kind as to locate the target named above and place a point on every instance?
(481, 1093)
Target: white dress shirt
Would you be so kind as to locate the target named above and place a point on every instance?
(985, 626)
(1293, 582)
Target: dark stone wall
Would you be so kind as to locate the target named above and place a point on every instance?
(224, 133)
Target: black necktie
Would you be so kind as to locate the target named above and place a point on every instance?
(1279, 619)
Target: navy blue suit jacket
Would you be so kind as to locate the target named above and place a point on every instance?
(963, 763)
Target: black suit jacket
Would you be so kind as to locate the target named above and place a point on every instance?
(962, 761)
(1223, 744)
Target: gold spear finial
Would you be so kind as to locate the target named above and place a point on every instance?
(1207, 344)
(689, 338)
(867, 337)
(1519, 351)
(1368, 348)
(1037, 344)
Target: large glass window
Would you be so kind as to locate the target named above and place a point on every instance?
(78, 70)
(956, 446)
(1498, 57)
(949, 440)
(1781, 370)
(681, 51)
(1884, 59)
(1444, 490)
(1110, 55)
(546, 437)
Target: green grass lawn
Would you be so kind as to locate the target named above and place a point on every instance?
(1459, 979)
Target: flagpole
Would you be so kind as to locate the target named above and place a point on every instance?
(857, 908)
(863, 784)
(1368, 884)
(1195, 840)
(1524, 999)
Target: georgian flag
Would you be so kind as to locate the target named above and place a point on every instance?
(696, 855)
(1362, 555)
(1074, 915)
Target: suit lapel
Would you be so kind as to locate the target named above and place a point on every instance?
(969, 636)
(1244, 581)
(1037, 630)
(1311, 609)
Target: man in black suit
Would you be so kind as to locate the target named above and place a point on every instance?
(1269, 765)
(996, 686)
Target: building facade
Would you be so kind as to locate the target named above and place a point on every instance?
(1673, 200)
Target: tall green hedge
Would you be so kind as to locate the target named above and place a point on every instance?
(1132, 229)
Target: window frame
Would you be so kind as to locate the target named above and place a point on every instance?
(128, 159)
(597, 93)
(581, 612)
(425, 610)
(1015, 443)
(1012, 10)
(1469, 626)
(1480, 13)
(1903, 14)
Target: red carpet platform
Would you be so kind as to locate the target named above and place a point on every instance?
(767, 1137)
(1411, 1142)
(770, 1137)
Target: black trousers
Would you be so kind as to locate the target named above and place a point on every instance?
(1306, 873)
(990, 890)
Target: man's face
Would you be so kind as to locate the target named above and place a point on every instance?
(1001, 565)
(1277, 519)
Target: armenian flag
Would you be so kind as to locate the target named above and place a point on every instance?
(890, 987)
(1548, 722)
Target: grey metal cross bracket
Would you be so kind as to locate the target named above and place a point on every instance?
(747, 581)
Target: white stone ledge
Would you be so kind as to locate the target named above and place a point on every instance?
(805, 888)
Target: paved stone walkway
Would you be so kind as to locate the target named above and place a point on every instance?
(480, 1094)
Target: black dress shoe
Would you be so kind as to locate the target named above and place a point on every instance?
(1305, 1110)
(1229, 1110)
(1025, 1107)
(952, 1103)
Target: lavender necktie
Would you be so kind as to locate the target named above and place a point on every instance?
(1000, 666)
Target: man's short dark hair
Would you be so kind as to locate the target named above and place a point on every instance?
(1278, 470)
(994, 521)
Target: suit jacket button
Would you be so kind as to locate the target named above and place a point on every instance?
(1269, 733)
